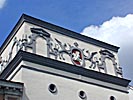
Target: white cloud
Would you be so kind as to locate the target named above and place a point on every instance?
(2, 2)
(117, 31)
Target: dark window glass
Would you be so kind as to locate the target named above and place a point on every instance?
(52, 88)
(82, 94)
(112, 98)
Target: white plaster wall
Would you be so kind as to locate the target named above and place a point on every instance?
(16, 75)
(42, 47)
(36, 88)
(36, 83)
(19, 34)
(130, 94)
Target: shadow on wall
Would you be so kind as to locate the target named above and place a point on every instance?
(25, 97)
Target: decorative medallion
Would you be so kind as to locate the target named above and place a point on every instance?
(77, 55)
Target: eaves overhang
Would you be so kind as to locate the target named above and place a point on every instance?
(37, 59)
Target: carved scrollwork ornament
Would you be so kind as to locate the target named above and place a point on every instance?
(57, 49)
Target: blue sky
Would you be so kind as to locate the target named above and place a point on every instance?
(76, 15)
(71, 14)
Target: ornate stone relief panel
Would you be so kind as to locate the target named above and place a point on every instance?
(57, 49)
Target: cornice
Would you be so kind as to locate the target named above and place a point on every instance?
(26, 56)
(38, 22)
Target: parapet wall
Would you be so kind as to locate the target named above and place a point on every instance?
(60, 44)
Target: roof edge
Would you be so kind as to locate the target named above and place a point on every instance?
(12, 33)
(32, 20)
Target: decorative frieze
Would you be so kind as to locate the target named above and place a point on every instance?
(57, 48)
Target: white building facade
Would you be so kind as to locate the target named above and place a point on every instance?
(55, 63)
